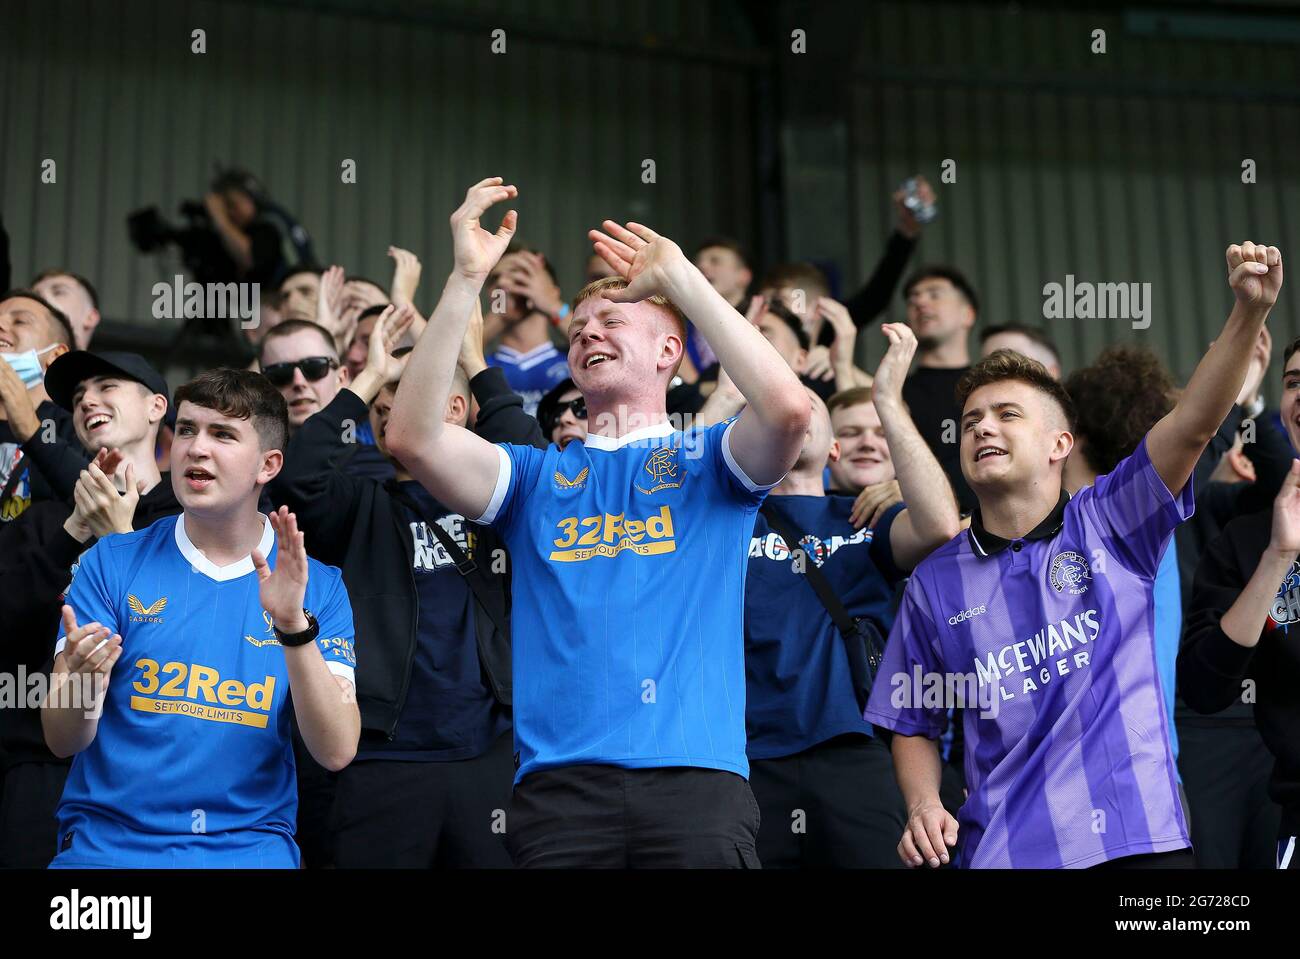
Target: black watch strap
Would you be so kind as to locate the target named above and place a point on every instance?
(299, 639)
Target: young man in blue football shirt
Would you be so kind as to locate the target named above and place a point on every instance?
(218, 617)
(824, 782)
(629, 556)
(523, 285)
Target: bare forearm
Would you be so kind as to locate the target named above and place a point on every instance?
(1244, 620)
(236, 243)
(722, 404)
(366, 386)
(925, 487)
(421, 399)
(1213, 388)
(770, 387)
(850, 377)
(327, 716)
(68, 720)
(919, 769)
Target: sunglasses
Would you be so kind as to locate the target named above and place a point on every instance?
(313, 368)
(576, 406)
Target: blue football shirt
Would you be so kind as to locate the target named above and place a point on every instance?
(192, 763)
(628, 598)
(800, 690)
(533, 374)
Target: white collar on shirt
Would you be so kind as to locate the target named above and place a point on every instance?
(609, 444)
(210, 569)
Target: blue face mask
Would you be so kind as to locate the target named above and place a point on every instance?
(28, 366)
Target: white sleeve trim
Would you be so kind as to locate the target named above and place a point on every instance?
(63, 642)
(346, 670)
(736, 471)
(500, 490)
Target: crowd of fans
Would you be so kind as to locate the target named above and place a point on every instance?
(93, 446)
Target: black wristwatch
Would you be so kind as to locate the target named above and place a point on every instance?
(299, 639)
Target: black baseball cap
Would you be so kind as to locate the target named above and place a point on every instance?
(71, 369)
(549, 404)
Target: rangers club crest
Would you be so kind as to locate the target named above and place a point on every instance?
(1070, 572)
(663, 469)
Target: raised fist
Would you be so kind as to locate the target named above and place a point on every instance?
(1255, 274)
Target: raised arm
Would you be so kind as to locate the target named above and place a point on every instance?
(931, 517)
(457, 467)
(70, 716)
(847, 373)
(726, 401)
(767, 437)
(236, 242)
(325, 704)
(406, 277)
(1228, 611)
(1176, 442)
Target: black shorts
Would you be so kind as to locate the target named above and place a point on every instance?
(835, 805)
(1225, 769)
(424, 815)
(1174, 859)
(609, 817)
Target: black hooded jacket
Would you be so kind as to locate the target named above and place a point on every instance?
(358, 525)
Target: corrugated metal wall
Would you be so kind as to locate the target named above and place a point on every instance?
(1123, 166)
(1117, 167)
(409, 90)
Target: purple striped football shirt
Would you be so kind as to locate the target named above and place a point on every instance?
(1051, 640)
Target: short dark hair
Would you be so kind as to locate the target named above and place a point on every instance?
(236, 179)
(81, 280)
(784, 313)
(1290, 351)
(1035, 334)
(290, 327)
(941, 271)
(793, 274)
(244, 395)
(371, 311)
(1119, 398)
(1002, 365)
(313, 270)
(726, 243)
(853, 396)
(60, 329)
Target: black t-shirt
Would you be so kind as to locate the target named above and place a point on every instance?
(931, 398)
(1213, 670)
(267, 251)
(449, 713)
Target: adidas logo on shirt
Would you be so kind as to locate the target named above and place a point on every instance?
(966, 614)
